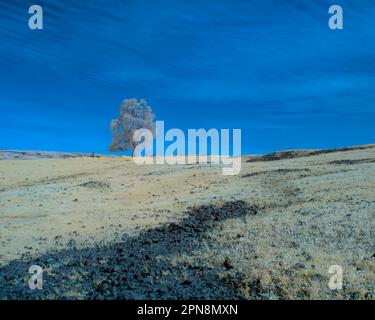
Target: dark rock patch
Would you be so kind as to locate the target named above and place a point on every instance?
(95, 184)
(291, 154)
(280, 171)
(140, 267)
(352, 161)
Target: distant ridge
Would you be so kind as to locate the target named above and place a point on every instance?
(290, 154)
(274, 156)
(30, 155)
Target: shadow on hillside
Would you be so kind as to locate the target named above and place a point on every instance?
(140, 267)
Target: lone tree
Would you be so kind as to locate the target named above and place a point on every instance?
(134, 115)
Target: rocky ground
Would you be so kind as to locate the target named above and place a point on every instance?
(106, 228)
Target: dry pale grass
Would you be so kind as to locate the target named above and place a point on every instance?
(316, 211)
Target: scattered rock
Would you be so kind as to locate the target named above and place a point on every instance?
(316, 277)
(368, 295)
(227, 265)
(354, 295)
(298, 266)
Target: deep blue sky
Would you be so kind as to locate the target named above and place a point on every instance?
(272, 68)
